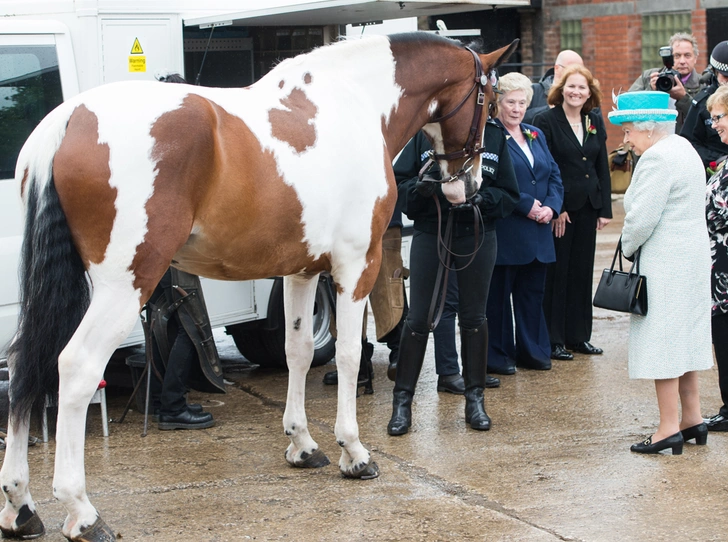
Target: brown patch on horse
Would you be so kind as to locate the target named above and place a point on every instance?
(281, 83)
(219, 208)
(184, 153)
(294, 125)
(81, 175)
(383, 209)
(307, 78)
(23, 181)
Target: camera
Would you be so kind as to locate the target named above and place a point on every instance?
(666, 79)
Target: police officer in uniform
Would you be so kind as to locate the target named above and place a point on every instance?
(698, 128)
(497, 197)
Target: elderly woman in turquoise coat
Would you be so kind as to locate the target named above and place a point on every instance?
(525, 241)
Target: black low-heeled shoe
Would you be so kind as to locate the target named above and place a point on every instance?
(560, 353)
(648, 447)
(698, 432)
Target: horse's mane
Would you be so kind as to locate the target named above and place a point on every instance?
(421, 38)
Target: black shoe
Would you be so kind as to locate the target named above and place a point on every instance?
(492, 382)
(559, 352)
(648, 447)
(331, 378)
(451, 384)
(698, 432)
(185, 420)
(194, 407)
(392, 370)
(535, 365)
(717, 423)
(501, 370)
(586, 348)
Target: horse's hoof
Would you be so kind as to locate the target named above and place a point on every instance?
(367, 472)
(98, 532)
(29, 529)
(315, 460)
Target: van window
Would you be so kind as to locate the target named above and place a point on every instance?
(30, 87)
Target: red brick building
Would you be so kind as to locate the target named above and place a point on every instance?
(618, 39)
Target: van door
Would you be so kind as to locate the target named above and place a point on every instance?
(30, 87)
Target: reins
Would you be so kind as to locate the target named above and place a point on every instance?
(470, 150)
(445, 254)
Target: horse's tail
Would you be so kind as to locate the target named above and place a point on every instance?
(54, 291)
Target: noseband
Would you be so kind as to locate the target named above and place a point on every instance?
(472, 145)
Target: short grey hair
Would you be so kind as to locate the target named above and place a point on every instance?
(661, 127)
(515, 81)
(684, 36)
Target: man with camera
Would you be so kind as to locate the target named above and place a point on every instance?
(677, 77)
(698, 127)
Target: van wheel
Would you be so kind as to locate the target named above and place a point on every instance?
(266, 347)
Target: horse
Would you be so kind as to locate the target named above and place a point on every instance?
(289, 177)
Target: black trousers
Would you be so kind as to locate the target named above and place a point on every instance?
(169, 394)
(473, 281)
(719, 324)
(568, 297)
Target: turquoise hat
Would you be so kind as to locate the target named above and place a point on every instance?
(642, 106)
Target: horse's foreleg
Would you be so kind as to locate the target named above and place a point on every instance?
(109, 319)
(299, 294)
(19, 518)
(355, 461)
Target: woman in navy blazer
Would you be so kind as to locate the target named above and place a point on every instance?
(525, 241)
(577, 140)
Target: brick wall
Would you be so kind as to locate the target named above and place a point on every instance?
(611, 44)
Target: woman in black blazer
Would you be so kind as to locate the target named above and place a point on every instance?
(576, 137)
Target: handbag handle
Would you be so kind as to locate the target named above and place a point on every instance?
(634, 270)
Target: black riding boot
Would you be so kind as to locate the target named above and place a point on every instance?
(474, 343)
(412, 349)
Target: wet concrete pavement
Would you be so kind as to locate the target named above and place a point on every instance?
(555, 466)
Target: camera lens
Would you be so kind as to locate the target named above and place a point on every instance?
(664, 83)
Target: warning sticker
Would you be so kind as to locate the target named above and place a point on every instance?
(136, 49)
(137, 64)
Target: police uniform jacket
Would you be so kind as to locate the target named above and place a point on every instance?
(699, 131)
(584, 167)
(499, 188)
(520, 239)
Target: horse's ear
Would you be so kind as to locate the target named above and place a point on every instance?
(498, 57)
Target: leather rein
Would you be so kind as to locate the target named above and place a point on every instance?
(470, 150)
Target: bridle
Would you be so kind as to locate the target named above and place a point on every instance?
(473, 145)
(471, 149)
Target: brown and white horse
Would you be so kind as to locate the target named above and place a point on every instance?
(291, 176)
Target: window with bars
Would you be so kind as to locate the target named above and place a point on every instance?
(656, 33)
(571, 35)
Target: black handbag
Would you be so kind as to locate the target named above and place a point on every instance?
(623, 291)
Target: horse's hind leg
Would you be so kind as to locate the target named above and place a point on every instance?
(110, 317)
(19, 518)
(355, 461)
(298, 297)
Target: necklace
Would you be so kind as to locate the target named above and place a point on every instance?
(575, 124)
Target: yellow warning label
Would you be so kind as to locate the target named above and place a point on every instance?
(137, 64)
(136, 49)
